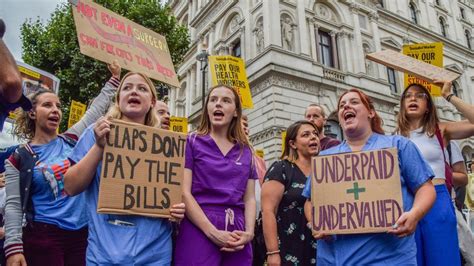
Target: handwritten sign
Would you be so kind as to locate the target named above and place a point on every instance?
(356, 192)
(76, 112)
(105, 36)
(179, 124)
(142, 170)
(431, 53)
(230, 71)
(412, 66)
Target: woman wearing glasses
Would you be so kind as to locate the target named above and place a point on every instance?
(436, 236)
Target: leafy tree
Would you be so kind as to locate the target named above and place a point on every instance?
(53, 46)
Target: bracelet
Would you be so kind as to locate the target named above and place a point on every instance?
(448, 98)
(273, 252)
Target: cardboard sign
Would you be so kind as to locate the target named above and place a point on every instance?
(230, 71)
(76, 112)
(179, 124)
(105, 36)
(431, 53)
(412, 66)
(357, 192)
(142, 170)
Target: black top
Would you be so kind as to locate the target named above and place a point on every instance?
(297, 245)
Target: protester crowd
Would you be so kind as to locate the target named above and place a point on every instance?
(234, 211)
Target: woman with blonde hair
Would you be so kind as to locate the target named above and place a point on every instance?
(119, 239)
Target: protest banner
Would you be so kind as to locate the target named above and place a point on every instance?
(76, 111)
(417, 68)
(105, 36)
(230, 71)
(260, 153)
(179, 124)
(358, 192)
(431, 53)
(34, 79)
(142, 170)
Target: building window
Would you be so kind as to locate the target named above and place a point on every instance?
(442, 26)
(236, 50)
(461, 11)
(437, 2)
(326, 48)
(468, 39)
(380, 2)
(392, 79)
(413, 13)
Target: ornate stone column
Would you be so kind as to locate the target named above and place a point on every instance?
(302, 27)
(374, 17)
(271, 23)
(358, 51)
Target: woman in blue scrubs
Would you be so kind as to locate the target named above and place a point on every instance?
(363, 131)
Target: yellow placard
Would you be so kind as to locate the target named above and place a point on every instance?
(230, 71)
(259, 153)
(29, 72)
(283, 138)
(76, 112)
(431, 53)
(179, 124)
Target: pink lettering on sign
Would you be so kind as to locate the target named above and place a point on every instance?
(87, 10)
(112, 22)
(87, 40)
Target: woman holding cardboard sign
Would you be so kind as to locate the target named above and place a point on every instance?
(288, 239)
(119, 239)
(436, 235)
(362, 128)
(218, 187)
(56, 230)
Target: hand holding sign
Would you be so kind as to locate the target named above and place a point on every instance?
(177, 212)
(101, 130)
(115, 69)
(446, 87)
(405, 225)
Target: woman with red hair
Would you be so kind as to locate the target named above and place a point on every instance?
(362, 127)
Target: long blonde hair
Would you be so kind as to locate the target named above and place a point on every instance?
(235, 133)
(150, 119)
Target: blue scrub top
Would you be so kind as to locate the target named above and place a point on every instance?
(121, 239)
(378, 248)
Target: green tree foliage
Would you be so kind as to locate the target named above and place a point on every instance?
(53, 46)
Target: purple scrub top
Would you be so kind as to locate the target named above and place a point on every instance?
(218, 179)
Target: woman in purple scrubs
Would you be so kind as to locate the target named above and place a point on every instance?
(218, 187)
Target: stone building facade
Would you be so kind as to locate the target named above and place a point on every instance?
(299, 52)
